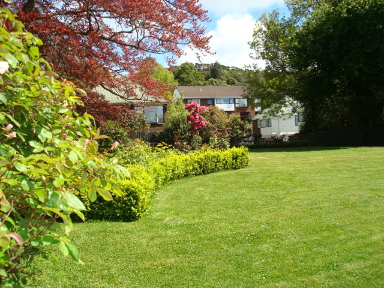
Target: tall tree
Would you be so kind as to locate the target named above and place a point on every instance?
(338, 56)
(187, 75)
(271, 42)
(164, 75)
(328, 56)
(91, 42)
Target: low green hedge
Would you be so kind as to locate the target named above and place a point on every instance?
(131, 204)
(163, 168)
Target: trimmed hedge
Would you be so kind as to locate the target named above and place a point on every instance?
(131, 204)
(165, 167)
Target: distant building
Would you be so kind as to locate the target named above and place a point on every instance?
(154, 110)
(285, 123)
(227, 98)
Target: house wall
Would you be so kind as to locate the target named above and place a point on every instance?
(229, 108)
(280, 126)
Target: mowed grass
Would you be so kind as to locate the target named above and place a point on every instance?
(293, 218)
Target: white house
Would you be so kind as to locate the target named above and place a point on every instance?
(284, 123)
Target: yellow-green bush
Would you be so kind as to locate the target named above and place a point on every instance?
(132, 203)
(163, 168)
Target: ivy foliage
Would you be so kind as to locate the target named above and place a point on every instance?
(48, 155)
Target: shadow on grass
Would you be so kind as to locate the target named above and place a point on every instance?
(300, 149)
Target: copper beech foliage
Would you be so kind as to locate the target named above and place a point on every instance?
(94, 42)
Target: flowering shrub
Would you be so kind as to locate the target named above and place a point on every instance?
(48, 155)
(196, 117)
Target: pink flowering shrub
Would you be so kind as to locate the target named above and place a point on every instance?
(196, 118)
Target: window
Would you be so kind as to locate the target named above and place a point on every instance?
(209, 101)
(154, 114)
(190, 100)
(224, 100)
(265, 123)
(241, 102)
(299, 118)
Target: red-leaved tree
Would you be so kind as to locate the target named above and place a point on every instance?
(107, 42)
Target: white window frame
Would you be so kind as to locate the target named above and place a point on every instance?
(241, 102)
(190, 100)
(264, 123)
(222, 100)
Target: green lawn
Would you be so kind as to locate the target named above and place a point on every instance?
(293, 218)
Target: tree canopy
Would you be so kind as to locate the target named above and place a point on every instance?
(329, 56)
(95, 42)
(214, 74)
(187, 75)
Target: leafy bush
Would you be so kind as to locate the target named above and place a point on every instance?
(239, 130)
(176, 128)
(133, 152)
(174, 166)
(163, 166)
(48, 155)
(131, 204)
(121, 131)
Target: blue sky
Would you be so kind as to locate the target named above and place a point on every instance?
(231, 29)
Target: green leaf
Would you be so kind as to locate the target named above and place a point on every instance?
(43, 134)
(92, 146)
(81, 215)
(34, 52)
(4, 242)
(2, 273)
(13, 120)
(12, 60)
(73, 201)
(20, 167)
(96, 182)
(106, 185)
(73, 252)
(5, 206)
(3, 162)
(35, 244)
(58, 182)
(10, 182)
(54, 200)
(105, 194)
(3, 98)
(64, 248)
(40, 193)
(50, 240)
(37, 145)
(84, 177)
(92, 195)
(73, 157)
(62, 110)
(63, 170)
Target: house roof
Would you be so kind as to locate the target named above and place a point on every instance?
(115, 99)
(211, 91)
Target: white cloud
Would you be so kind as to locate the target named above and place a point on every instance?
(230, 42)
(237, 6)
